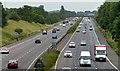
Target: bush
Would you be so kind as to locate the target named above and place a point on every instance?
(19, 30)
(14, 16)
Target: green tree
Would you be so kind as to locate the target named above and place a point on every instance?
(14, 16)
(18, 30)
(4, 17)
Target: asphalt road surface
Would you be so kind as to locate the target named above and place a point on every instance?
(27, 51)
(91, 39)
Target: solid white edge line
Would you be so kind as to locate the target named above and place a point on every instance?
(63, 49)
(36, 59)
(39, 56)
(106, 56)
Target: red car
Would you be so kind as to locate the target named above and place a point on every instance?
(12, 64)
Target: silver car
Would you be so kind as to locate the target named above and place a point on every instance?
(83, 43)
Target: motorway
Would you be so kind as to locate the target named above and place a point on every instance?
(27, 51)
(91, 39)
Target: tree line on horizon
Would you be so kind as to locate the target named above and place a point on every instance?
(34, 14)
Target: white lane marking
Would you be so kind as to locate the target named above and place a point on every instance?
(36, 59)
(39, 56)
(106, 56)
(63, 49)
(75, 67)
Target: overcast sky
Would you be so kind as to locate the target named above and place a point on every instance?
(49, 5)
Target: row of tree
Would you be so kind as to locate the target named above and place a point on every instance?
(108, 17)
(35, 14)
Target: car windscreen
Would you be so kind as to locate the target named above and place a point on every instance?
(85, 57)
(100, 52)
(11, 61)
(3, 49)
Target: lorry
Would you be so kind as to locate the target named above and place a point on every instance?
(100, 52)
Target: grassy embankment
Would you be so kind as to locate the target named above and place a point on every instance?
(50, 56)
(8, 36)
(109, 39)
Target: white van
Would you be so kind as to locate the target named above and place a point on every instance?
(85, 59)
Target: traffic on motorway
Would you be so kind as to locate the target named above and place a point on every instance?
(13, 57)
(83, 50)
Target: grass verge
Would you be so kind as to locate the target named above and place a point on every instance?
(108, 37)
(49, 58)
(29, 29)
(74, 27)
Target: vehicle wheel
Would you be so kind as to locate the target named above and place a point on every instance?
(104, 60)
(95, 59)
(89, 65)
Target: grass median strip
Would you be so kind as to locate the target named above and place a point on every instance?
(49, 58)
(74, 27)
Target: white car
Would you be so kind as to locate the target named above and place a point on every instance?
(78, 30)
(60, 24)
(83, 43)
(44, 32)
(4, 50)
(85, 59)
(68, 54)
(79, 27)
(81, 23)
(64, 25)
(72, 44)
(84, 31)
(66, 69)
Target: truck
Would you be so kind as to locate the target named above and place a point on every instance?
(100, 52)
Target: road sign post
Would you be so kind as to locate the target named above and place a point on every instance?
(54, 45)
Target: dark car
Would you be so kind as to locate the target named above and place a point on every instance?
(38, 40)
(54, 30)
(12, 64)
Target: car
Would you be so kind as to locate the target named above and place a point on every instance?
(78, 30)
(85, 58)
(79, 27)
(63, 25)
(54, 36)
(44, 32)
(60, 24)
(38, 40)
(81, 23)
(90, 25)
(4, 50)
(12, 64)
(90, 28)
(83, 43)
(72, 45)
(70, 23)
(84, 31)
(58, 29)
(54, 30)
(68, 54)
(66, 69)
